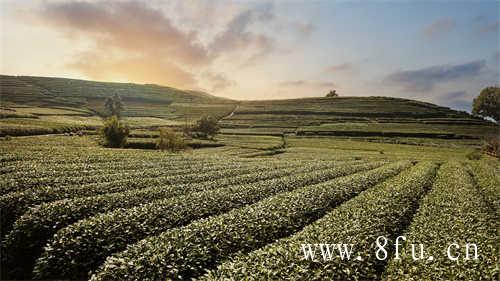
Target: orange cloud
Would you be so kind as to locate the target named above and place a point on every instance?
(141, 69)
(128, 26)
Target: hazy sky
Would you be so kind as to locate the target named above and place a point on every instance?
(443, 52)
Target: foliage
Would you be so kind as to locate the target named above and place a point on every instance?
(114, 132)
(32, 230)
(170, 140)
(149, 219)
(206, 127)
(332, 94)
(186, 252)
(380, 211)
(487, 104)
(492, 145)
(474, 155)
(53, 184)
(15, 204)
(488, 181)
(452, 212)
(114, 105)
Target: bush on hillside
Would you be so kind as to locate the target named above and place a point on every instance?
(114, 133)
(487, 104)
(170, 140)
(492, 146)
(206, 127)
(332, 94)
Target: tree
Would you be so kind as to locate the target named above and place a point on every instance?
(206, 127)
(487, 104)
(170, 140)
(114, 105)
(114, 133)
(332, 94)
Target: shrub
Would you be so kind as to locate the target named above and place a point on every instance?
(31, 231)
(186, 252)
(474, 155)
(114, 132)
(492, 146)
(111, 232)
(332, 94)
(206, 127)
(383, 210)
(487, 104)
(454, 211)
(170, 140)
(15, 204)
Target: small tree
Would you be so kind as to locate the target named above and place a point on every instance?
(487, 104)
(114, 105)
(170, 140)
(206, 127)
(492, 145)
(114, 133)
(332, 94)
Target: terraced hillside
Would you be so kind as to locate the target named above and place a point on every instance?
(42, 105)
(72, 210)
(355, 116)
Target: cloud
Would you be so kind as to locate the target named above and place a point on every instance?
(131, 42)
(128, 26)
(118, 33)
(455, 95)
(344, 67)
(140, 69)
(425, 79)
(438, 28)
(457, 100)
(219, 81)
(238, 34)
(308, 84)
(492, 27)
(303, 30)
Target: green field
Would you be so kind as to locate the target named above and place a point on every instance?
(279, 174)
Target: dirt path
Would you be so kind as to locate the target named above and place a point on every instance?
(232, 112)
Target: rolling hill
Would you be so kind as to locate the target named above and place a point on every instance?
(146, 100)
(37, 105)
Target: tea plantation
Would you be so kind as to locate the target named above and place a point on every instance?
(73, 210)
(261, 200)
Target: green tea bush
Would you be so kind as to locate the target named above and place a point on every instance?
(32, 230)
(114, 133)
(452, 212)
(186, 252)
(92, 240)
(14, 204)
(488, 181)
(474, 155)
(383, 210)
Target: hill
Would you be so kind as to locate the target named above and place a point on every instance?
(355, 117)
(44, 105)
(146, 100)
(39, 105)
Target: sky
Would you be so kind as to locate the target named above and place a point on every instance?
(443, 52)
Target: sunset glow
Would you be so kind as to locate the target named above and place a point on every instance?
(437, 52)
